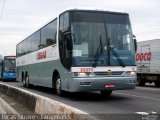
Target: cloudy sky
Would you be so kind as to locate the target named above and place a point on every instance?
(20, 18)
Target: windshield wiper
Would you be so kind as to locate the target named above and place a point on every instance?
(98, 52)
(120, 61)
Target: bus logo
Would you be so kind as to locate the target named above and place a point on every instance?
(41, 55)
(109, 72)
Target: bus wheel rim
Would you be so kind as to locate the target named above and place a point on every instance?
(58, 86)
(24, 83)
(27, 81)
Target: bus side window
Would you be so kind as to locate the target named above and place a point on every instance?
(64, 22)
(48, 34)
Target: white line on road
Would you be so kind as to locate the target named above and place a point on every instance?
(142, 113)
(137, 96)
(148, 88)
(146, 113)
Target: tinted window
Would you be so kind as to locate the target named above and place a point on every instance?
(9, 65)
(64, 21)
(35, 41)
(91, 34)
(61, 23)
(23, 48)
(117, 19)
(42, 38)
(48, 34)
(86, 17)
(18, 50)
(28, 45)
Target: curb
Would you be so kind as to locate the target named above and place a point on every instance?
(43, 105)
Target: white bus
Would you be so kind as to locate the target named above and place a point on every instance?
(80, 50)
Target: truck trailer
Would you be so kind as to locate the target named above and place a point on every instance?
(148, 62)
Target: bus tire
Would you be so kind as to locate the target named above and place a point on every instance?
(2, 80)
(59, 91)
(23, 80)
(24, 83)
(157, 83)
(140, 82)
(106, 93)
(27, 81)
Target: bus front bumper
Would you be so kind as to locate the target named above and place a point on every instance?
(102, 84)
(8, 76)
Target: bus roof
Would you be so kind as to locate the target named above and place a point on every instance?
(9, 57)
(96, 10)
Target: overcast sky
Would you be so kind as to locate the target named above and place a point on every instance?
(20, 18)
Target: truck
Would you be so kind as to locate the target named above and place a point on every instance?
(148, 62)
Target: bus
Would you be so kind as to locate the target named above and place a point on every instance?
(8, 68)
(80, 50)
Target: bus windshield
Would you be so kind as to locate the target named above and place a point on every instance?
(9, 65)
(97, 36)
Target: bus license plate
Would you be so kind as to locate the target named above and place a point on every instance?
(110, 86)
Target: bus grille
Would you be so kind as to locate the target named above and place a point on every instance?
(113, 73)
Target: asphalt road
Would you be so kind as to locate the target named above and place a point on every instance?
(141, 100)
(2, 111)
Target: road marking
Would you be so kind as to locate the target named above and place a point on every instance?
(137, 96)
(142, 113)
(144, 88)
(146, 113)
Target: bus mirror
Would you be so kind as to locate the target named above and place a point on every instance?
(135, 42)
(68, 41)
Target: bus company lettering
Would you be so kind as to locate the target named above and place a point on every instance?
(41, 55)
(143, 56)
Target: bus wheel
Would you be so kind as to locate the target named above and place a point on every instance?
(24, 82)
(157, 83)
(140, 82)
(106, 93)
(27, 81)
(58, 87)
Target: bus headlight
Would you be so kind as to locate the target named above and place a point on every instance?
(130, 73)
(133, 72)
(83, 74)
